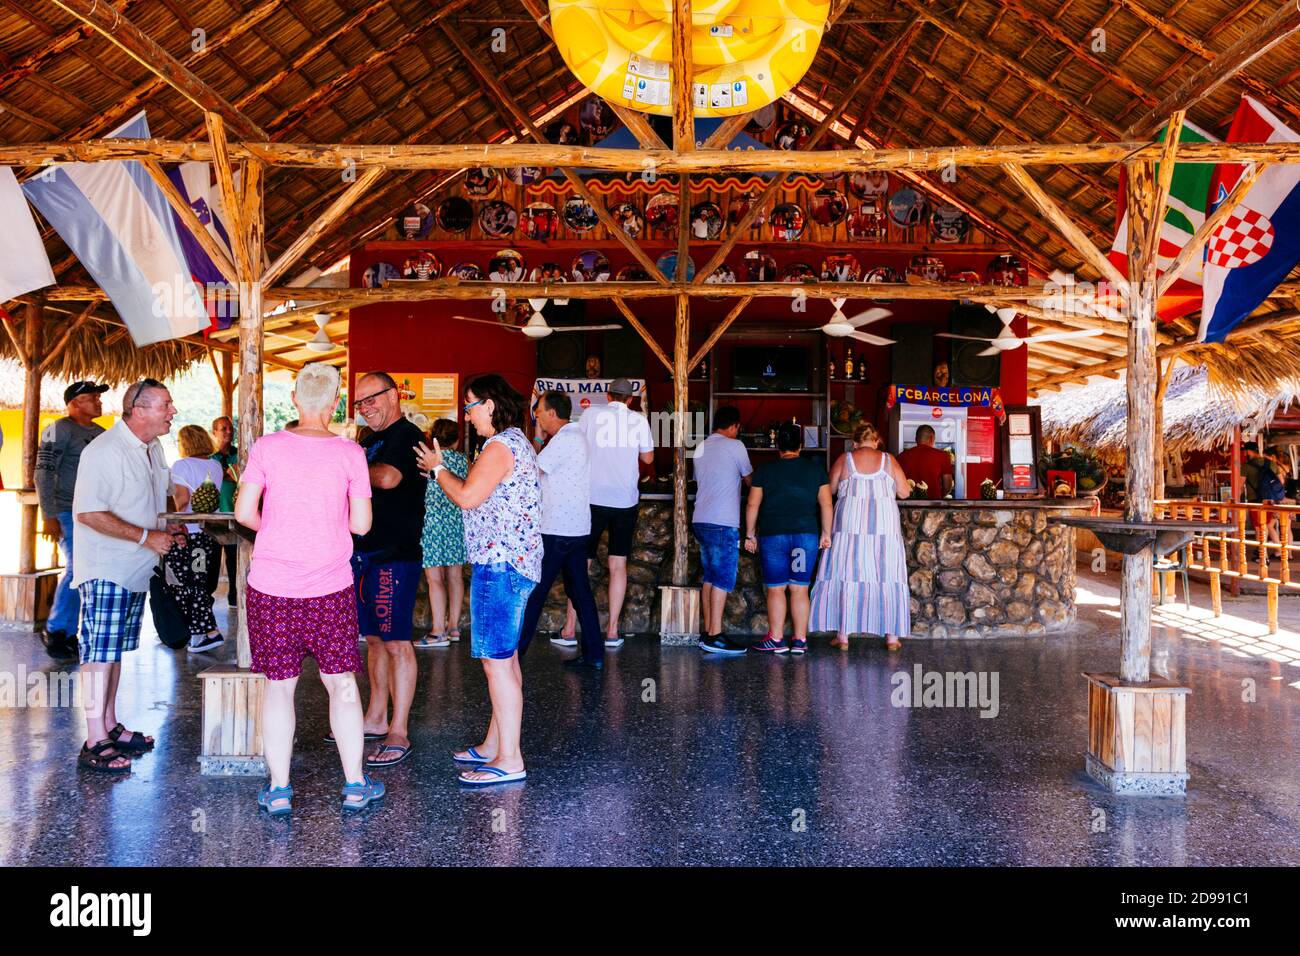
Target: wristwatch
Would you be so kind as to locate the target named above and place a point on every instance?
(436, 469)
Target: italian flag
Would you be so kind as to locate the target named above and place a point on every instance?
(1189, 195)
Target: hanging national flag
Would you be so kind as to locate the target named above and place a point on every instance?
(1188, 197)
(194, 181)
(24, 264)
(1259, 243)
(119, 225)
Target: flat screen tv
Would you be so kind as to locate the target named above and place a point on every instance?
(757, 368)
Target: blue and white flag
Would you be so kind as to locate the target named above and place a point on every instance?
(118, 223)
(1259, 244)
(24, 266)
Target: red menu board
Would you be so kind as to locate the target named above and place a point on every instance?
(980, 435)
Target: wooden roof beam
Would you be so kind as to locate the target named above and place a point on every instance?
(191, 220)
(1247, 49)
(895, 55)
(682, 72)
(136, 44)
(326, 219)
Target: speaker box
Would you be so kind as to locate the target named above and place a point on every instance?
(967, 366)
(624, 354)
(562, 354)
(912, 357)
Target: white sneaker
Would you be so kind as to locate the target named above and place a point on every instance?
(563, 641)
(616, 642)
(205, 642)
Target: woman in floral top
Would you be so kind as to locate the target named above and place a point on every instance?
(502, 501)
(443, 544)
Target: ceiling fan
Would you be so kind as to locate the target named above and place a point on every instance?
(536, 327)
(321, 341)
(842, 327)
(1007, 340)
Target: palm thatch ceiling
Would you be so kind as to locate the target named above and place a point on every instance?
(394, 71)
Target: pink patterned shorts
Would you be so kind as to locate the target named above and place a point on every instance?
(282, 631)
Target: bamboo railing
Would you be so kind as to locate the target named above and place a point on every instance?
(1247, 552)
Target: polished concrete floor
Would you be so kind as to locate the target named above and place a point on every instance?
(673, 758)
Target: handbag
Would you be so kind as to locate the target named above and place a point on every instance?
(168, 618)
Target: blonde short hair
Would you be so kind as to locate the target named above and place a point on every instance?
(865, 435)
(317, 387)
(194, 442)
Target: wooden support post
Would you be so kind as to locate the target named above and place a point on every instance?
(250, 364)
(680, 604)
(1162, 385)
(683, 81)
(1272, 608)
(33, 338)
(227, 385)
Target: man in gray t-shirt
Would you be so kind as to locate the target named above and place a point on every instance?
(57, 459)
(721, 470)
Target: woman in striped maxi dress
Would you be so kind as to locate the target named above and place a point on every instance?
(861, 585)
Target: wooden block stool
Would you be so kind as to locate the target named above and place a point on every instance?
(679, 615)
(232, 723)
(1137, 735)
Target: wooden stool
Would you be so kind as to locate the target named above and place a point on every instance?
(679, 614)
(232, 722)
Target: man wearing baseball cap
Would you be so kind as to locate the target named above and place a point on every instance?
(56, 477)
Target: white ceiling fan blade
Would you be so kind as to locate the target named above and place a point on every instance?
(869, 316)
(997, 349)
(499, 325)
(968, 338)
(870, 339)
(1062, 336)
(583, 328)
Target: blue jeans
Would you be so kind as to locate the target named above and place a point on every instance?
(67, 602)
(719, 553)
(788, 559)
(566, 557)
(498, 595)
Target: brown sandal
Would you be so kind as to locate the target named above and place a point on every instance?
(138, 744)
(96, 758)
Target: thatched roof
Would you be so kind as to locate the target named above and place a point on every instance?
(1197, 413)
(394, 71)
(12, 381)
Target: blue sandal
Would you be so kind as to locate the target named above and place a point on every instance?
(474, 757)
(499, 776)
(268, 796)
(359, 796)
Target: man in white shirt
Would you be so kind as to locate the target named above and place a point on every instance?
(123, 483)
(721, 469)
(566, 526)
(618, 441)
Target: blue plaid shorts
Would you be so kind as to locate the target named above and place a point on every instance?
(110, 621)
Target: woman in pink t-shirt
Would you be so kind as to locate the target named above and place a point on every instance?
(314, 491)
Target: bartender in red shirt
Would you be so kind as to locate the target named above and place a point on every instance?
(925, 463)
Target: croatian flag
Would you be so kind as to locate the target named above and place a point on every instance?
(194, 182)
(1259, 243)
(119, 225)
(1189, 192)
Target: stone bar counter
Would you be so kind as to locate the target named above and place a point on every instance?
(977, 569)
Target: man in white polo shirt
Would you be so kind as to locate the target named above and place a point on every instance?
(618, 441)
(122, 487)
(566, 525)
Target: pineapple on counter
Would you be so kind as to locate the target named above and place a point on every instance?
(206, 498)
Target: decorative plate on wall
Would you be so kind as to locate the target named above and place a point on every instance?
(799, 272)
(416, 221)
(563, 133)
(466, 272)
(869, 223)
(629, 217)
(507, 266)
(498, 219)
(596, 119)
(661, 211)
(548, 272)
(1006, 270)
(539, 220)
(928, 267)
(949, 224)
(378, 273)
(760, 267)
(829, 207)
(524, 175)
(706, 220)
(422, 265)
(455, 214)
(579, 215)
(869, 185)
(590, 265)
(481, 182)
(908, 208)
(787, 222)
(841, 267)
(792, 135)
(632, 274)
(966, 275)
(667, 264)
(882, 274)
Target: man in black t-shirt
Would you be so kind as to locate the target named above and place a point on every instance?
(386, 564)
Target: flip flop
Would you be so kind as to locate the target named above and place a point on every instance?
(500, 776)
(367, 735)
(474, 756)
(374, 764)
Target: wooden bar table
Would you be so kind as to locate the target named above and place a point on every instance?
(231, 743)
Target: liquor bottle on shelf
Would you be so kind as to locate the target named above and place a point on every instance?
(862, 371)
(848, 363)
(831, 370)
(704, 368)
